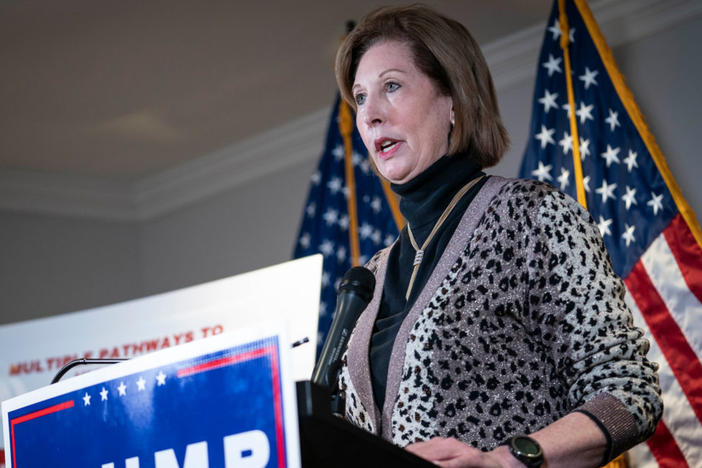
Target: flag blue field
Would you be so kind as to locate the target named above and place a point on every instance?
(341, 211)
(222, 409)
(649, 230)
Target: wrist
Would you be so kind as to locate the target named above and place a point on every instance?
(505, 457)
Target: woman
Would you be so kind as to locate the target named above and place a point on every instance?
(496, 312)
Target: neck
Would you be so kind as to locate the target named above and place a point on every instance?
(425, 197)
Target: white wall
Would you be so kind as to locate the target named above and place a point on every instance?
(51, 264)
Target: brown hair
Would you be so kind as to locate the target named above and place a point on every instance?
(445, 51)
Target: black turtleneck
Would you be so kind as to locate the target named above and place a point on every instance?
(423, 200)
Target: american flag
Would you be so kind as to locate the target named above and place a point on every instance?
(649, 230)
(349, 215)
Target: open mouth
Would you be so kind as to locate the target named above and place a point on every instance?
(386, 145)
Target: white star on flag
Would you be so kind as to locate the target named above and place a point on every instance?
(553, 64)
(566, 107)
(161, 378)
(656, 202)
(555, 30)
(335, 185)
(103, 394)
(589, 77)
(603, 226)
(365, 231)
(341, 254)
(326, 247)
(584, 148)
(630, 161)
(338, 152)
(563, 178)
(613, 120)
(311, 209)
(122, 389)
(586, 183)
(344, 223)
(316, 177)
(542, 172)
(629, 198)
(141, 384)
(86, 399)
(330, 216)
(549, 100)
(305, 240)
(546, 136)
(376, 205)
(566, 143)
(585, 112)
(628, 235)
(606, 190)
(611, 155)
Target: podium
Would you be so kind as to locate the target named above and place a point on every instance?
(327, 440)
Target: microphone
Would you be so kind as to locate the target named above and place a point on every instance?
(355, 292)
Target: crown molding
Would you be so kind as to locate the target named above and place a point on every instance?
(512, 61)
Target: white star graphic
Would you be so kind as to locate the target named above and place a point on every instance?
(589, 77)
(86, 399)
(161, 379)
(542, 172)
(311, 209)
(603, 225)
(326, 247)
(555, 29)
(606, 190)
(630, 161)
(586, 183)
(377, 236)
(613, 120)
(553, 64)
(611, 155)
(305, 240)
(325, 279)
(628, 235)
(356, 159)
(330, 216)
(316, 178)
(571, 34)
(344, 223)
(365, 166)
(566, 107)
(365, 231)
(656, 202)
(584, 148)
(341, 254)
(549, 101)
(376, 205)
(122, 389)
(322, 310)
(566, 143)
(563, 179)
(630, 197)
(389, 239)
(335, 185)
(546, 136)
(103, 394)
(338, 152)
(141, 384)
(585, 112)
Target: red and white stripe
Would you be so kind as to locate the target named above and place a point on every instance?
(665, 296)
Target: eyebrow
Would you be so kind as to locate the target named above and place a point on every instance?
(383, 73)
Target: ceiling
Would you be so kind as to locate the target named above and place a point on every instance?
(122, 90)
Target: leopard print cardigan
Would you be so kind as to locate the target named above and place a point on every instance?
(522, 321)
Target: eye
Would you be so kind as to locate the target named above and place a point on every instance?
(359, 98)
(391, 86)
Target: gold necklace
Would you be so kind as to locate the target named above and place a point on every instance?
(419, 255)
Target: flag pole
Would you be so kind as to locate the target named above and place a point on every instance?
(577, 165)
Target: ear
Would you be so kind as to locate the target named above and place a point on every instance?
(452, 117)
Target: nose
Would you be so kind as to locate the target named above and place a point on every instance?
(373, 111)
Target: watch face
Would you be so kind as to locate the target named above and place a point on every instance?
(526, 445)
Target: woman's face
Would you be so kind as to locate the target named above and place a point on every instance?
(403, 118)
